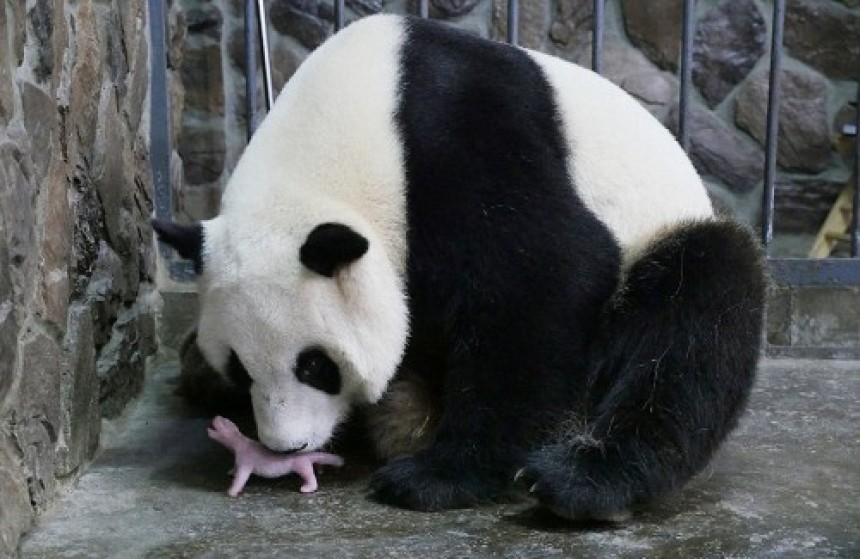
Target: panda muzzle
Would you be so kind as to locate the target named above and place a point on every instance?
(293, 450)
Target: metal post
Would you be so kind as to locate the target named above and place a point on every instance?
(772, 123)
(159, 129)
(338, 15)
(855, 207)
(686, 75)
(424, 8)
(263, 22)
(250, 68)
(597, 37)
(513, 22)
(159, 112)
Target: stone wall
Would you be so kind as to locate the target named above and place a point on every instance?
(76, 312)
(642, 52)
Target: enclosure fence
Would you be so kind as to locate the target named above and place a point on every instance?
(786, 271)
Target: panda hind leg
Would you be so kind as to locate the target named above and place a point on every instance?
(573, 479)
(670, 369)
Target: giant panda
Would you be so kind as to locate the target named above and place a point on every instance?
(501, 253)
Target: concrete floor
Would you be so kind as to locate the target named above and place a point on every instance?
(786, 485)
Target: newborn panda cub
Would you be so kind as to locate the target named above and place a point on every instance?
(254, 458)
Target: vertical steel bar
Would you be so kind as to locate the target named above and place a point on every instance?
(339, 14)
(424, 8)
(597, 37)
(250, 68)
(855, 207)
(159, 122)
(686, 74)
(263, 22)
(772, 123)
(513, 22)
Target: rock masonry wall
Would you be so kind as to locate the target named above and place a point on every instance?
(642, 50)
(76, 306)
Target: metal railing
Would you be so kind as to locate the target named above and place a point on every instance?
(255, 19)
(159, 140)
(789, 271)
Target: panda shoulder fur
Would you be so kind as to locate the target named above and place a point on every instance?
(506, 253)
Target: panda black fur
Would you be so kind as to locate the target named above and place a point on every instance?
(511, 232)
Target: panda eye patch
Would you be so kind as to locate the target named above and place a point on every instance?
(316, 369)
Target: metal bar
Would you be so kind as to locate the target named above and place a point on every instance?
(424, 8)
(339, 13)
(855, 206)
(250, 68)
(159, 130)
(812, 352)
(513, 22)
(812, 272)
(597, 37)
(772, 123)
(159, 122)
(263, 22)
(686, 74)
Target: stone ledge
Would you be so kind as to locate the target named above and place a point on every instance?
(802, 322)
(819, 322)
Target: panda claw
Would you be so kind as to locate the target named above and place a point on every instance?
(519, 475)
(533, 488)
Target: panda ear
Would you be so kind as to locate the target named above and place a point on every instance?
(330, 246)
(187, 240)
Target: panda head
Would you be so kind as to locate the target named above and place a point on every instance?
(313, 311)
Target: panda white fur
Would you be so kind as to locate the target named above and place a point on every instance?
(506, 230)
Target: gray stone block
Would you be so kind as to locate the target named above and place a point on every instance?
(729, 41)
(824, 35)
(814, 322)
(15, 511)
(534, 24)
(573, 23)
(804, 129)
(122, 360)
(42, 27)
(721, 151)
(81, 420)
(178, 316)
(826, 317)
(655, 27)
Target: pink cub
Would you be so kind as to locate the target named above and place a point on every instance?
(254, 458)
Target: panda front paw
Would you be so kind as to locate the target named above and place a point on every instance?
(570, 490)
(415, 482)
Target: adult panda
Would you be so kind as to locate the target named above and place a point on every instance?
(429, 218)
